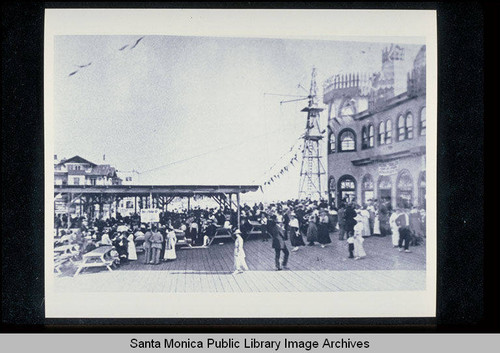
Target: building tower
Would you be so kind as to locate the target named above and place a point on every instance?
(312, 168)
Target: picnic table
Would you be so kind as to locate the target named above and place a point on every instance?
(67, 249)
(63, 254)
(256, 228)
(96, 258)
(182, 240)
(221, 233)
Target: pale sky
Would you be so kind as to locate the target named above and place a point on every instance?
(192, 110)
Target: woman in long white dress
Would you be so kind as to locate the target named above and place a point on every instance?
(394, 228)
(132, 253)
(359, 250)
(240, 263)
(170, 242)
(376, 225)
(366, 222)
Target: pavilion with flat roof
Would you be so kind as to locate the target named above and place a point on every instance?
(154, 196)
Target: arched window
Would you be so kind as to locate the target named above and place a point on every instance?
(384, 188)
(409, 126)
(388, 131)
(371, 136)
(381, 133)
(422, 122)
(421, 190)
(367, 189)
(331, 143)
(364, 138)
(347, 141)
(404, 189)
(401, 128)
(347, 188)
(332, 187)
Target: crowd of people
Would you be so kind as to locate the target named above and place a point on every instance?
(298, 222)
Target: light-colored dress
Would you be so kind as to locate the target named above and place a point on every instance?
(132, 253)
(239, 255)
(105, 239)
(170, 246)
(376, 226)
(394, 228)
(359, 250)
(366, 223)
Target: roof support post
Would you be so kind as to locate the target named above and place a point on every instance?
(239, 212)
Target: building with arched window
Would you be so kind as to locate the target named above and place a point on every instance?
(347, 141)
(347, 188)
(367, 193)
(378, 132)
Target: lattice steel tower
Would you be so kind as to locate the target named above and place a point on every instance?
(312, 168)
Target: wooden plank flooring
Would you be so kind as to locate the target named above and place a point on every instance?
(312, 269)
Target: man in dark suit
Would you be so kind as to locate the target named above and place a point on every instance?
(279, 237)
(349, 221)
(403, 222)
(341, 220)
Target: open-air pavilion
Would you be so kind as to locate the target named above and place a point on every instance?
(150, 196)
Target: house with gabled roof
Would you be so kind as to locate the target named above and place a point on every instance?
(80, 171)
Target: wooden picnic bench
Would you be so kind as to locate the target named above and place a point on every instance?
(182, 240)
(221, 233)
(96, 258)
(63, 254)
(67, 249)
(255, 230)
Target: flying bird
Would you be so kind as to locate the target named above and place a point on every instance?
(137, 42)
(123, 47)
(82, 66)
(74, 72)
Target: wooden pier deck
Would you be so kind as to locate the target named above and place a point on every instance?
(311, 269)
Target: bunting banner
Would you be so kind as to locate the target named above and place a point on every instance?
(299, 148)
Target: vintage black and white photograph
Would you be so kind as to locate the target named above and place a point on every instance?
(225, 163)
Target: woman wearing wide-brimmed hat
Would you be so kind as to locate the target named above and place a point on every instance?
(170, 241)
(359, 250)
(240, 263)
(293, 230)
(323, 233)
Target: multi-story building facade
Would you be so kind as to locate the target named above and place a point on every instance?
(79, 171)
(377, 133)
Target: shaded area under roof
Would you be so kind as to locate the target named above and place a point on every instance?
(146, 190)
